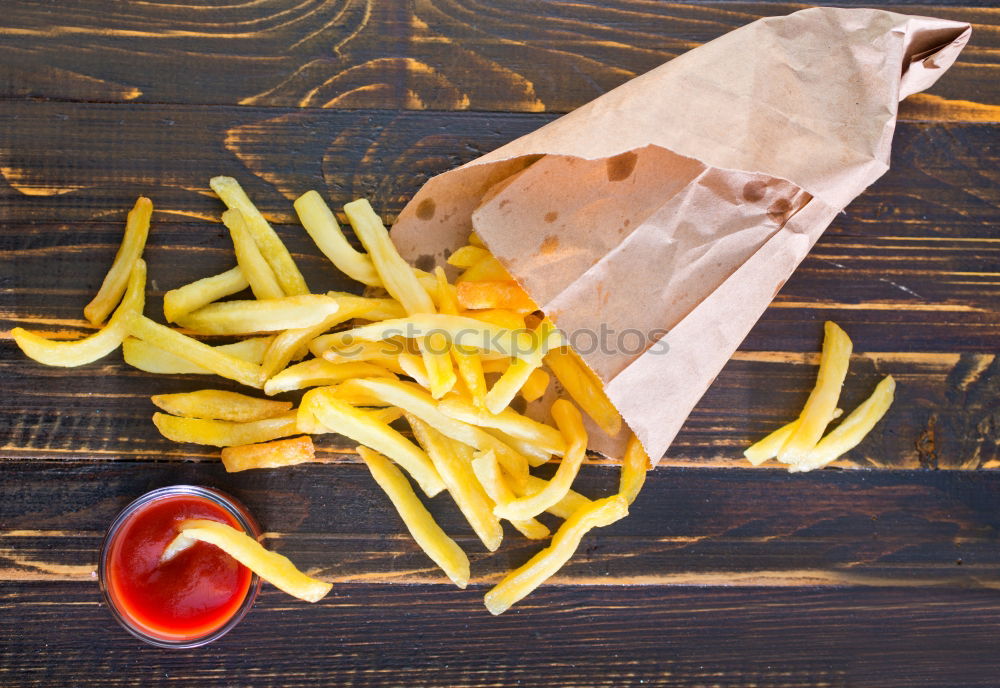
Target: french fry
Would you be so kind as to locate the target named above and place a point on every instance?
(570, 424)
(535, 455)
(503, 294)
(503, 391)
(566, 506)
(247, 317)
(413, 366)
(193, 351)
(277, 256)
(499, 317)
(461, 482)
(290, 343)
(474, 240)
(130, 250)
(274, 454)
(395, 273)
(635, 463)
(460, 330)
(487, 471)
(101, 343)
(321, 224)
(145, 356)
(852, 429)
(584, 388)
(360, 426)
(308, 423)
(520, 582)
(512, 423)
(536, 384)
(258, 273)
(467, 256)
(275, 568)
(488, 269)
(222, 433)
(333, 347)
(768, 448)
(418, 402)
(470, 367)
(822, 400)
(442, 550)
(402, 284)
(318, 371)
(179, 302)
(217, 404)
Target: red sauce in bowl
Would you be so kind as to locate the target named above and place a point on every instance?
(190, 599)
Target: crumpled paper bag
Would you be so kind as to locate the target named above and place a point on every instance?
(656, 223)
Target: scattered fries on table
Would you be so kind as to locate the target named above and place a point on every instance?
(470, 348)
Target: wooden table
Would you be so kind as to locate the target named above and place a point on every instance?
(722, 576)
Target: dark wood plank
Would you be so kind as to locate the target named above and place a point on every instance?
(422, 54)
(378, 635)
(689, 526)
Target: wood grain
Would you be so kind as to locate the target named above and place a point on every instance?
(421, 54)
(362, 635)
(691, 526)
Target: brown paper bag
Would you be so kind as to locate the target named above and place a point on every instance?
(657, 222)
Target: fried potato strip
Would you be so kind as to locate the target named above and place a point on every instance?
(130, 250)
(274, 454)
(218, 404)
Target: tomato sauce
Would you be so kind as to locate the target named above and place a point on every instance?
(194, 593)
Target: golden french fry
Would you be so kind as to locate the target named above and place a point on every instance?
(274, 454)
(535, 386)
(395, 273)
(442, 550)
(276, 569)
(635, 463)
(535, 455)
(223, 433)
(308, 423)
(193, 351)
(101, 343)
(852, 429)
(488, 269)
(467, 256)
(361, 426)
(570, 423)
(499, 317)
(321, 224)
(506, 294)
(217, 404)
(437, 361)
(520, 582)
(565, 507)
(255, 268)
(460, 330)
(461, 482)
(503, 391)
(470, 367)
(414, 400)
(277, 256)
(130, 250)
(246, 317)
(509, 421)
(145, 356)
(474, 240)
(768, 448)
(179, 302)
(287, 345)
(822, 400)
(497, 365)
(318, 371)
(584, 388)
(487, 471)
(413, 366)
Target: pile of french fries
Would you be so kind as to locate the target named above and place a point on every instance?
(453, 359)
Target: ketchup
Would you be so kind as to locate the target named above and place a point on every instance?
(194, 593)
